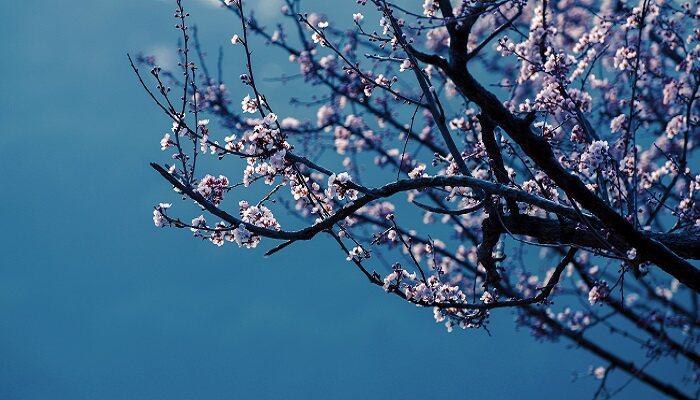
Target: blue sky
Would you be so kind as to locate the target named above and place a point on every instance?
(95, 303)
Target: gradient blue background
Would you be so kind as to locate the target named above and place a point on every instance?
(95, 303)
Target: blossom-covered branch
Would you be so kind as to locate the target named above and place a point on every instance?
(547, 149)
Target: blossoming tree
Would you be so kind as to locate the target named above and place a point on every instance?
(467, 133)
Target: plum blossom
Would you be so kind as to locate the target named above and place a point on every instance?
(248, 105)
(198, 222)
(290, 123)
(599, 372)
(505, 46)
(158, 214)
(437, 39)
(318, 38)
(618, 123)
(598, 292)
(325, 115)
(357, 252)
(212, 188)
(270, 119)
(595, 156)
(337, 187)
(165, 142)
(244, 238)
(624, 57)
(671, 91)
(429, 8)
(487, 298)
(417, 172)
(675, 126)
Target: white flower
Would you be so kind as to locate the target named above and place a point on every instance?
(343, 177)
(623, 56)
(670, 92)
(290, 123)
(243, 237)
(165, 142)
(198, 222)
(631, 298)
(593, 295)
(596, 155)
(599, 372)
(277, 160)
(212, 188)
(358, 17)
(598, 292)
(429, 8)
(487, 298)
(336, 186)
(236, 39)
(248, 105)
(318, 38)
(617, 123)
(675, 126)
(157, 218)
(357, 251)
(325, 115)
(405, 65)
(323, 24)
(417, 172)
(158, 215)
(270, 119)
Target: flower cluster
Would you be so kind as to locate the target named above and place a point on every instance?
(338, 187)
(213, 189)
(258, 215)
(567, 128)
(595, 155)
(598, 292)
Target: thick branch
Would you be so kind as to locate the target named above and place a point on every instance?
(540, 151)
(549, 231)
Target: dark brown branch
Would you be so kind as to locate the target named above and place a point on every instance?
(488, 138)
(440, 210)
(432, 59)
(549, 231)
(490, 235)
(540, 151)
